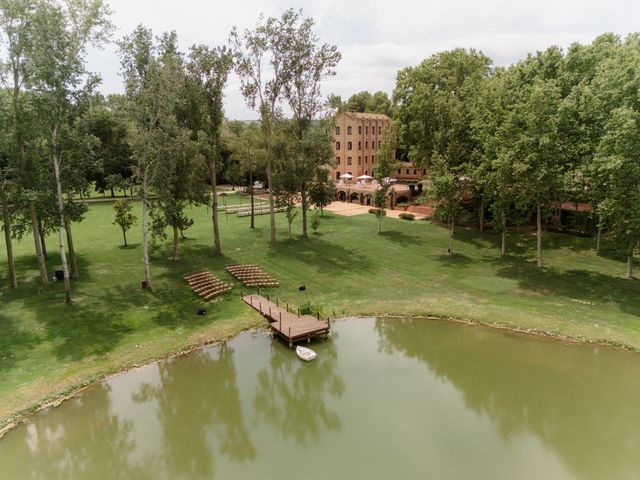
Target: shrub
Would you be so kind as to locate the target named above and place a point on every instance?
(407, 216)
(373, 211)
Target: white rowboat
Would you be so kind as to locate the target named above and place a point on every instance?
(305, 354)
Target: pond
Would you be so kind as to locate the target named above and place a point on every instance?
(384, 399)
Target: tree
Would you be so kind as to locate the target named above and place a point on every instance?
(106, 120)
(386, 163)
(5, 204)
(123, 217)
(446, 189)
(62, 34)
(209, 70)
(616, 169)
(533, 126)
(246, 155)
(309, 64)
(153, 82)
(364, 101)
(322, 192)
(17, 26)
(435, 106)
(265, 61)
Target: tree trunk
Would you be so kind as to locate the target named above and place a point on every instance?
(503, 247)
(630, 265)
(63, 255)
(451, 236)
(598, 238)
(539, 235)
(214, 207)
(145, 228)
(481, 216)
(13, 281)
(303, 194)
(43, 240)
(113, 193)
(124, 236)
(253, 225)
(75, 274)
(17, 119)
(290, 229)
(272, 211)
(42, 264)
(176, 243)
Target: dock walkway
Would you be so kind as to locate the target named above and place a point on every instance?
(289, 325)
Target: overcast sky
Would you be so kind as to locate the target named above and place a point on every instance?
(377, 37)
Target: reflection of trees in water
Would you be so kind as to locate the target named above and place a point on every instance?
(292, 395)
(198, 396)
(101, 443)
(583, 406)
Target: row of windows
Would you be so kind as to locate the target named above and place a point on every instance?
(366, 145)
(415, 172)
(366, 160)
(366, 130)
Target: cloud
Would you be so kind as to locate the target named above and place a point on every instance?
(378, 37)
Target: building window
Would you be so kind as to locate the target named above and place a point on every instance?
(337, 130)
(359, 161)
(337, 145)
(359, 145)
(373, 159)
(366, 159)
(415, 172)
(399, 171)
(348, 160)
(366, 144)
(407, 171)
(379, 143)
(359, 129)
(348, 130)
(337, 160)
(349, 145)
(337, 175)
(366, 130)
(366, 172)
(379, 130)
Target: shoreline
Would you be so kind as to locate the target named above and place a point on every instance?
(55, 400)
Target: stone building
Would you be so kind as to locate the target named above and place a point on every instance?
(357, 140)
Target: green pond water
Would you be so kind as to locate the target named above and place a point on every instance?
(384, 399)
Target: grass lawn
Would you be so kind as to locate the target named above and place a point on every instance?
(47, 348)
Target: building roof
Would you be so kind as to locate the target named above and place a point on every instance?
(367, 116)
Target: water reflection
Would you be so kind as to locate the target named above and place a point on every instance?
(199, 410)
(581, 404)
(293, 396)
(101, 446)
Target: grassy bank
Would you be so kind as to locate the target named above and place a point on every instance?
(47, 348)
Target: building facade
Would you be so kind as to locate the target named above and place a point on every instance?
(357, 140)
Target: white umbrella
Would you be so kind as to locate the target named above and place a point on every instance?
(346, 175)
(364, 177)
(388, 180)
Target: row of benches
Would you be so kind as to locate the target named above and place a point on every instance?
(207, 285)
(252, 276)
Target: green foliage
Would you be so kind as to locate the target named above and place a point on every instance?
(407, 216)
(124, 217)
(315, 222)
(363, 102)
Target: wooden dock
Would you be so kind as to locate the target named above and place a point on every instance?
(288, 324)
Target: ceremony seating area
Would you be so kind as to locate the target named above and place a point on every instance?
(252, 276)
(207, 285)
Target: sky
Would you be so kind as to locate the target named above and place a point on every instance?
(376, 37)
